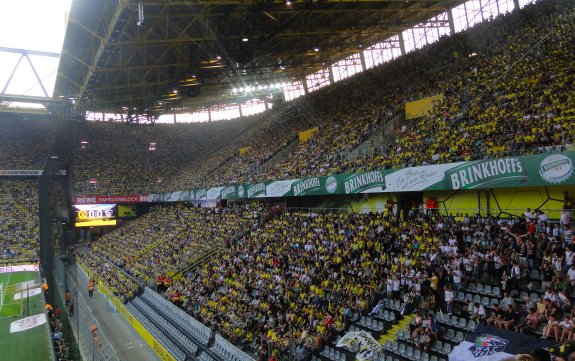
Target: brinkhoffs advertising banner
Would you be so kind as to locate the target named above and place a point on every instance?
(522, 171)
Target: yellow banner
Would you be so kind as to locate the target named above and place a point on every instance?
(420, 107)
(126, 210)
(158, 348)
(306, 134)
(244, 150)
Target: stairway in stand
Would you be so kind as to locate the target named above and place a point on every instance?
(391, 334)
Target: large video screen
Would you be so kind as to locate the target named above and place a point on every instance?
(94, 215)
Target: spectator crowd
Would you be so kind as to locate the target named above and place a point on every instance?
(19, 222)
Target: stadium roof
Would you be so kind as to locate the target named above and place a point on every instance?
(118, 54)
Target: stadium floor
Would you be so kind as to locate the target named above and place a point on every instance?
(128, 345)
(27, 345)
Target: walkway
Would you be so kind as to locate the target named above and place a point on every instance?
(129, 346)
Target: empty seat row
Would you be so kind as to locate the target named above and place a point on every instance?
(414, 354)
(454, 321)
(175, 350)
(475, 298)
(199, 331)
(204, 356)
(371, 324)
(484, 290)
(184, 341)
(333, 354)
(228, 351)
(387, 316)
(453, 336)
(395, 305)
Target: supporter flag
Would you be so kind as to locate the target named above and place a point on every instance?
(361, 342)
(419, 108)
(244, 150)
(306, 134)
(492, 344)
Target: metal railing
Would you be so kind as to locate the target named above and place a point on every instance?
(197, 262)
(442, 211)
(93, 343)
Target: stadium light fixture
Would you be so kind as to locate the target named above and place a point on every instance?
(245, 39)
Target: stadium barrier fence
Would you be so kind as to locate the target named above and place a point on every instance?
(158, 348)
(93, 343)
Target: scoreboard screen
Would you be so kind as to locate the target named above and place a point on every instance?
(93, 215)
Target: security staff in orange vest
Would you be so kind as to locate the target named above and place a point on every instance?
(91, 287)
(49, 309)
(176, 298)
(167, 282)
(160, 283)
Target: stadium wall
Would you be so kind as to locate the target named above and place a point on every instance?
(485, 201)
(502, 201)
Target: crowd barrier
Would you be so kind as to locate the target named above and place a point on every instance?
(158, 348)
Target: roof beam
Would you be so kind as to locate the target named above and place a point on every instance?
(29, 52)
(120, 7)
(24, 99)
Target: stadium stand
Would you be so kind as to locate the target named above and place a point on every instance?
(116, 158)
(25, 143)
(19, 224)
(169, 238)
(312, 276)
(529, 98)
(120, 283)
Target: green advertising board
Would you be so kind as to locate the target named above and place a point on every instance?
(522, 171)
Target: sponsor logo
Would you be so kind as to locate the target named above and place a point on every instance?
(184, 196)
(279, 188)
(111, 199)
(487, 173)
(228, 192)
(330, 184)
(306, 186)
(28, 323)
(363, 181)
(486, 345)
(241, 191)
(22, 268)
(556, 168)
(86, 200)
(256, 189)
(20, 172)
(413, 179)
(201, 194)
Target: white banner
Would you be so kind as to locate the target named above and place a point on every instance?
(27, 293)
(21, 268)
(368, 346)
(27, 285)
(416, 178)
(213, 193)
(483, 351)
(28, 323)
